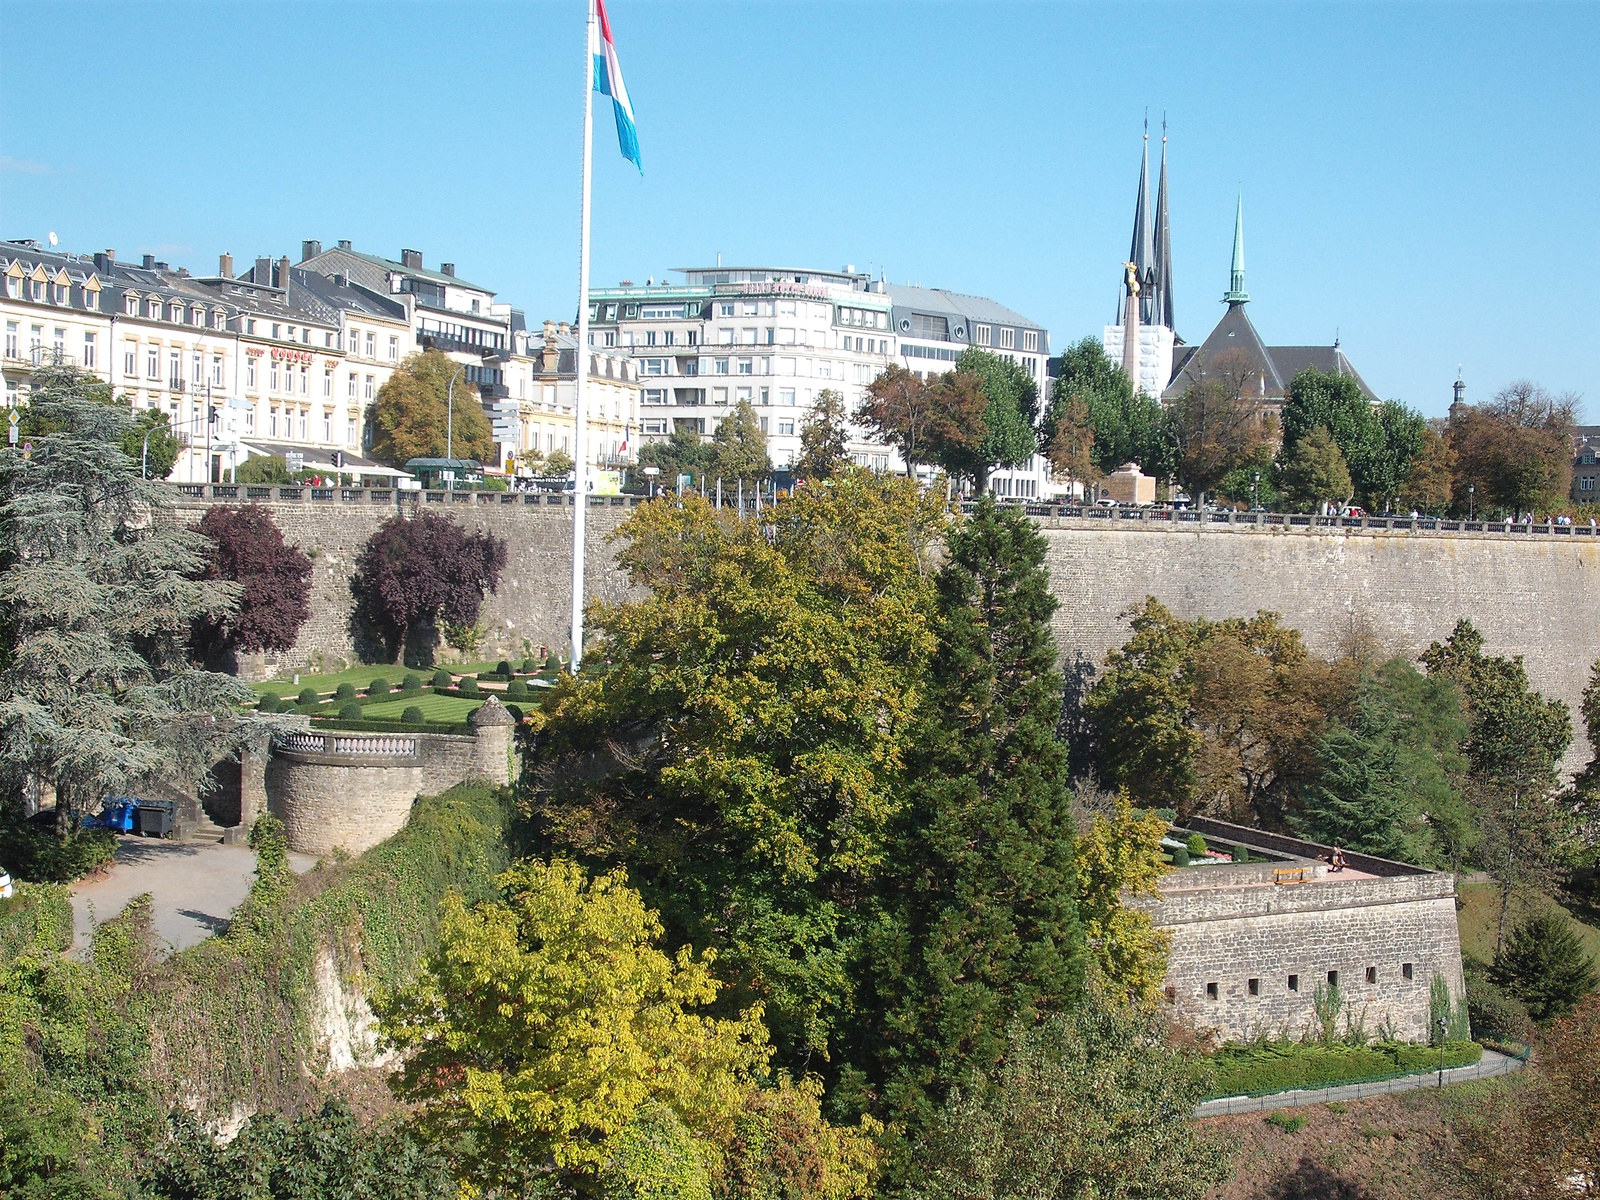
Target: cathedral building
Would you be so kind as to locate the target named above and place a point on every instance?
(1144, 337)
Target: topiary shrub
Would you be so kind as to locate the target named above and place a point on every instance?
(411, 683)
(346, 691)
(269, 702)
(1240, 854)
(530, 666)
(1180, 857)
(350, 712)
(413, 716)
(517, 690)
(503, 667)
(443, 679)
(1197, 846)
(469, 686)
(378, 687)
(308, 696)
(553, 665)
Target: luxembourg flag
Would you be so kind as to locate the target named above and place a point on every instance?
(608, 82)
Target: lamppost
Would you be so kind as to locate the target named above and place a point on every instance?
(144, 457)
(1471, 489)
(1255, 490)
(450, 429)
(1442, 1028)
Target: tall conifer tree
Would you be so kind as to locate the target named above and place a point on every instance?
(981, 927)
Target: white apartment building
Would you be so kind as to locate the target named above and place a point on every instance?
(772, 336)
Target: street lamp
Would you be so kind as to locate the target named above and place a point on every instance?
(450, 429)
(1442, 1028)
(1255, 490)
(1471, 488)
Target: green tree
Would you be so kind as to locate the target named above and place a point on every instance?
(901, 410)
(1128, 426)
(1544, 965)
(1009, 436)
(742, 751)
(824, 438)
(1215, 429)
(558, 463)
(984, 929)
(684, 453)
(1514, 745)
(1388, 771)
(413, 409)
(149, 441)
(1071, 445)
(548, 1020)
(1586, 788)
(1116, 858)
(96, 601)
(1402, 438)
(1429, 481)
(739, 448)
(1314, 472)
(1092, 1104)
(262, 468)
(1379, 442)
(956, 438)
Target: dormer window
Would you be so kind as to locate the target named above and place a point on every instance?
(153, 310)
(130, 305)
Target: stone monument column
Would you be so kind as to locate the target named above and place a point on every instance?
(252, 791)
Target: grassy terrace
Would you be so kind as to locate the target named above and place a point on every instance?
(360, 677)
(434, 708)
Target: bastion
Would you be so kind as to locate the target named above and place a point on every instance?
(1254, 944)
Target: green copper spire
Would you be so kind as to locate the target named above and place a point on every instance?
(1236, 293)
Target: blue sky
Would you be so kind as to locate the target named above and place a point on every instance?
(1421, 178)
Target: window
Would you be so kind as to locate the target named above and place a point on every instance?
(983, 335)
(272, 376)
(351, 392)
(327, 384)
(372, 344)
(1030, 339)
(655, 395)
(720, 367)
(327, 426)
(196, 368)
(725, 308)
(786, 397)
(354, 337)
(11, 341)
(250, 373)
(277, 331)
(747, 366)
(153, 310)
(272, 423)
(785, 428)
(291, 333)
(766, 397)
(694, 337)
(725, 335)
(748, 336)
(1254, 987)
(1405, 970)
(668, 338)
(475, 305)
(656, 366)
(367, 389)
(217, 319)
(216, 369)
(1008, 339)
(786, 308)
(1211, 991)
(88, 350)
(1333, 979)
(250, 420)
(610, 339)
(350, 432)
(1372, 974)
(763, 424)
(152, 363)
(305, 381)
(250, 325)
(302, 425)
(327, 340)
(744, 394)
(719, 395)
(130, 305)
(650, 337)
(1294, 983)
(394, 349)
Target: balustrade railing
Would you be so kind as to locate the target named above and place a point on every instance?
(353, 745)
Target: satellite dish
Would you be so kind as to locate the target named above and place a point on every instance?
(53, 238)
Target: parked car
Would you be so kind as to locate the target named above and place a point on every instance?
(1106, 502)
(6, 890)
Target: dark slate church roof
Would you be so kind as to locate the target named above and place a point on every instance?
(1265, 370)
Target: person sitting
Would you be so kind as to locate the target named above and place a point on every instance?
(1339, 862)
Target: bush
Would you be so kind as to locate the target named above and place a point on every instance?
(530, 666)
(1545, 966)
(412, 716)
(1286, 1122)
(503, 669)
(37, 855)
(38, 916)
(1197, 845)
(443, 679)
(270, 702)
(1493, 1013)
(469, 687)
(378, 687)
(308, 696)
(517, 690)
(1180, 857)
(1281, 1066)
(552, 664)
(1241, 855)
(347, 691)
(350, 712)
(411, 683)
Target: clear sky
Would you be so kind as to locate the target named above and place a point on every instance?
(1421, 178)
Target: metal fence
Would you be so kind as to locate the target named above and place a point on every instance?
(1490, 1065)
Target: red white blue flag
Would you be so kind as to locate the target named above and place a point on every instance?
(608, 82)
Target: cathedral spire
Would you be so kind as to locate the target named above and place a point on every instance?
(1236, 293)
(1139, 253)
(1162, 298)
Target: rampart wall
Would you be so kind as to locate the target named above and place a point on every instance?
(1533, 591)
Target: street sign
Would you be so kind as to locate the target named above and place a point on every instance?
(652, 470)
(294, 461)
(27, 450)
(11, 430)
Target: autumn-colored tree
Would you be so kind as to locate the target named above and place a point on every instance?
(902, 411)
(1215, 427)
(415, 575)
(1314, 472)
(1429, 482)
(742, 750)
(739, 448)
(247, 548)
(824, 438)
(1071, 445)
(414, 408)
(1129, 426)
(955, 439)
(1117, 857)
(1516, 450)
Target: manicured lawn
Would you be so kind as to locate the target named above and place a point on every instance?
(434, 708)
(1480, 911)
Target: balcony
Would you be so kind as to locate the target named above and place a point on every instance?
(40, 356)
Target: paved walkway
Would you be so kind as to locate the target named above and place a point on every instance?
(1493, 1063)
(193, 886)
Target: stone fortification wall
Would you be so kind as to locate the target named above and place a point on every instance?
(1537, 596)
(1225, 938)
(532, 604)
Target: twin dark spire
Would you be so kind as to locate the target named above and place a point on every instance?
(1151, 252)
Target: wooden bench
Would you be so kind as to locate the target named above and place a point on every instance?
(1284, 875)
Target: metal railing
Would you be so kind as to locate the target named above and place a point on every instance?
(1487, 1067)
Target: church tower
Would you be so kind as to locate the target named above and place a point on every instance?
(1142, 339)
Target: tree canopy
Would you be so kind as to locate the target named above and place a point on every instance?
(1009, 416)
(1515, 451)
(412, 412)
(247, 548)
(739, 448)
(824, 438)
(1215, 428)
(1314, 472)
(1128, 426)
(1378, 443)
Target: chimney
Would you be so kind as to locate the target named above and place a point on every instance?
(344, 243)
(105, 260)
(261, 273)
(309, 249)
(149, 262)
(225, 265)
(564, 327)
(411, 259)
(448, 269)
(282, 280)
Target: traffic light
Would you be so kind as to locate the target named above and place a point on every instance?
(338, 459)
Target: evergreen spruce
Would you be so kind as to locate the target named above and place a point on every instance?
(1545, 966)
(981, 926)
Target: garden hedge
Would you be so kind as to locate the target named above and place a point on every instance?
(1283, 1066)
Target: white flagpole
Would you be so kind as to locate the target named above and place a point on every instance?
(580, 455)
